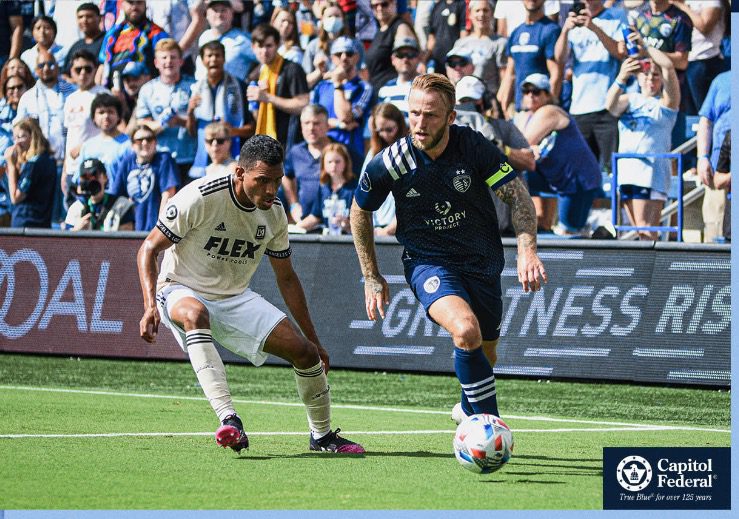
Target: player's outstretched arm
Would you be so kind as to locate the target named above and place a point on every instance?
(376, 292)
(292, 292)
(523, 217)
(146, 261)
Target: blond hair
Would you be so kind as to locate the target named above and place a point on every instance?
(39, 144)
(438, 83)
(218, 128)
(168, 44)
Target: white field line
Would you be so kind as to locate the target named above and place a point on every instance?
(626, 425)
(303, 433)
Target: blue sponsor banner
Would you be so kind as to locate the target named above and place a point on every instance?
(666, 478)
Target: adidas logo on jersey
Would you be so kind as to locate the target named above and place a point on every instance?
(412, 193)
(221, 227)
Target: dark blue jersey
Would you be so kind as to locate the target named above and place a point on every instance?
(444, 207)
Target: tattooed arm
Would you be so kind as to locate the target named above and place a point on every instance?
(523, 216)
(376, 292)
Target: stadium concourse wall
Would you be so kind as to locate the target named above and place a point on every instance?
(639, 312)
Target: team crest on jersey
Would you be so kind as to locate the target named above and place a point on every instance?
(171, 212)
(462, 181)
(442, 207)
(523, 38)
(665, 29)
(432, 284)
(261, 232)
(364, 183)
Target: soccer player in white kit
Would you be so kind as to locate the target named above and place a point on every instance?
(214, 233)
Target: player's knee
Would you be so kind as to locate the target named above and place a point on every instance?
(193, 317)
(466, 334)
(305, 354)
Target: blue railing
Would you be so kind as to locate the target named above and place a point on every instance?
(616, 208)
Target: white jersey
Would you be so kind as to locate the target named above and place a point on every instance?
(218, 241)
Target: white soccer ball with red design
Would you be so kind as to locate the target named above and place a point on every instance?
(483, 443)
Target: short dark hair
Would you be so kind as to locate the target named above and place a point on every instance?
(212, 45)
(261, 148)
(106, 101)
(89, 6)
(263, 31)
(44, 18)
(83, 54)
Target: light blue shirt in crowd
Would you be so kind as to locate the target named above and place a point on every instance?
(106, 149)
(239, 55)
(717, 109)
(593, 68)
(645, 127)
(156, 98)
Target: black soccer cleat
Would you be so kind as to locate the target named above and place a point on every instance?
(332, 442)
(231, 434)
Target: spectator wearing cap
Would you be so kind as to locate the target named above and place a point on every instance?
(44, 31)
(593, 37)
(130, 41)
(133, 77)
(459, 64)
(94, 209)
(219, 97)
(391, 27)
(163, 102)
(470, 92)
(77, 119)
(316, 60)
(240, 57)
(147, 176)
(406, 56)
(446, 26)
(487, 49)
(564, 162)
(530, 50)
(88, 24)
(346, 96)
(282, 90)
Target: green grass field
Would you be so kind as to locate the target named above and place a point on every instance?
(96, 434)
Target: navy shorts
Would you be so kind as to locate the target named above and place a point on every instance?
(632, 192)
(431, 282)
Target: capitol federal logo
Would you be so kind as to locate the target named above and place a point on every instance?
(462, 181)
(634, 473)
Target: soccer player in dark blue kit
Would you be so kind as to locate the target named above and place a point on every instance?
(441, 176)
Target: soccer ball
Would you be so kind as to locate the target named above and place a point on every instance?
(483, 443)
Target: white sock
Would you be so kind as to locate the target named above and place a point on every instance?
(210, 371)
(315, 393)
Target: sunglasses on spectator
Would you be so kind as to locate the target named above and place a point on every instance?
(382, 5)
(85, 68)
(148, 138)
(347, 53)
(44, 64)
(457, 62)
(408, 54)
(217, 140)
(531, 90)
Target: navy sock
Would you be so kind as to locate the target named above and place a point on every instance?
(477, 380)
(466, 406)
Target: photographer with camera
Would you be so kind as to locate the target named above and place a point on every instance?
(94, 209)
(593, 35)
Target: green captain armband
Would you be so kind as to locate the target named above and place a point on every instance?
(499, 175)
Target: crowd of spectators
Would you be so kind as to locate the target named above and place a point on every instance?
(107, 108)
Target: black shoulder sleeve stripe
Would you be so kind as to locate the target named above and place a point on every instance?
(279, 254)
(169, 234)
(213, 189)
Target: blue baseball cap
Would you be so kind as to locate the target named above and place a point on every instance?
(134, 69)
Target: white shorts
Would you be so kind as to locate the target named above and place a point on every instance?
(240, 323)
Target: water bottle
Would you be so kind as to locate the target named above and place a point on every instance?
(253, 105)
(166, 116)
(431, 66)
(546, 145)
(632, 49)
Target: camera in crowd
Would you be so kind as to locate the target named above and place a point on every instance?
(89, 185)
(578, 8)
